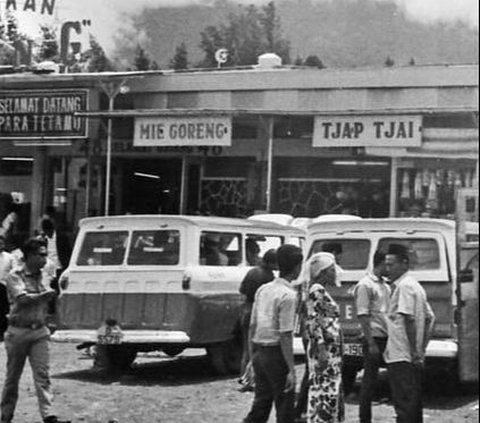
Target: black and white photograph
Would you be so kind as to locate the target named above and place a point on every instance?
(239, 211)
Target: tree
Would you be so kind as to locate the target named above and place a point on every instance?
(48, 48)
(180, 60)
(411, 61)
(93, 59)
(141, 61)
(15, 47)
(247, 34)
(314, 61)
(389, 62)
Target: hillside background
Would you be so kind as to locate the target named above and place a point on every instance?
(342, 33)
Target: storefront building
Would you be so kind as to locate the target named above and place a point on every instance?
(373, 142)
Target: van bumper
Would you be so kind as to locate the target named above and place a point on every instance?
(442, 348)
(129, 336)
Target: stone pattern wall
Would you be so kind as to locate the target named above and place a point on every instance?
(224, 197)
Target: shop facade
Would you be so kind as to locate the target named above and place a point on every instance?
(373, 142)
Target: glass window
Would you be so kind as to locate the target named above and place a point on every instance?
(155, 247)
(257, 245)
(423, 252)
(103, 248)
(220, 249)
(350, 254)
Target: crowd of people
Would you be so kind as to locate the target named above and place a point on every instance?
(396, 322)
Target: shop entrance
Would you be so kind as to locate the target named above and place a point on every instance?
(151, 186)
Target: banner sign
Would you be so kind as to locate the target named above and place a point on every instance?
(183, 131)
(368, 131)
(42, 114)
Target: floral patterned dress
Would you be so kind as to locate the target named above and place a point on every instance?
(325, 393)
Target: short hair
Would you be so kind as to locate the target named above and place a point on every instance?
(270, 257)
(47, 225)
(288, 257)
(378, 258)
(400, 251)
(32, 245)
(332, 247)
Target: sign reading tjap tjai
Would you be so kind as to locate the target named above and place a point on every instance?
(183, 131)
(42, 114)
(368, 131)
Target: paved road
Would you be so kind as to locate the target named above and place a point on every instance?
(180, 390)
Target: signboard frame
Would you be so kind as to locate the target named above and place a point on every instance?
(42, 94)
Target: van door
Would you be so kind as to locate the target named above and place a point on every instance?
(467, 292)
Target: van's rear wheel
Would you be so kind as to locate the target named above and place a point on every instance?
(116, 358)
(225, 358)
(172, 351)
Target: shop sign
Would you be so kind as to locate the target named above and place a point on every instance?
(42, 114)
(368, 131)
(183, 131)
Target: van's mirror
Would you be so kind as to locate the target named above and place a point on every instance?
(465, 276)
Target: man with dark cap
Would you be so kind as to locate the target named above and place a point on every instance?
(410, 323)
(271, 341)
(254, 279)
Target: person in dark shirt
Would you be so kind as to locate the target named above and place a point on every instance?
(254, 279)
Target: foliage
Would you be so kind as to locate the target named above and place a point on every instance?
(180, 60)
(247, 34)
(92, 60)
(314, 61)
(10, 40)
(142, 60)
(389, 62)
(48, 48)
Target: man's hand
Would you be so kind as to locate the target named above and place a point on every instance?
(290, 382)
(373, 349)
(417, 359)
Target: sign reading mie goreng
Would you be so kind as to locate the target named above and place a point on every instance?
(42, 114)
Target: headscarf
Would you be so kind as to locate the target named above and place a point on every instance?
(319, 262)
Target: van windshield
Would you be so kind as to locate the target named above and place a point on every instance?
(103, 248)
(423, 253)
(157, 247)
(350, 254)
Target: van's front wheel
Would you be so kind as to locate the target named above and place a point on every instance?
(225, 358)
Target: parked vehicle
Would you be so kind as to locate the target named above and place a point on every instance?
(433, 261)
(158, 282)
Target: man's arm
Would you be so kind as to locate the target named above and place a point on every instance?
(362, 305)
(429, 324)
(286, 345)
(26, 298)
(411, 331)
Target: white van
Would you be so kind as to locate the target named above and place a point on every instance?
(159, 282)
(433, 262)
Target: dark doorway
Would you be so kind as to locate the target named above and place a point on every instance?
(152, 186)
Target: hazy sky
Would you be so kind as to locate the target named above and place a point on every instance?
(106, 15)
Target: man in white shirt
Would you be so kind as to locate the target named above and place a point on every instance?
(410, 323)
(372, 295)
(7, 263)
(271, 341)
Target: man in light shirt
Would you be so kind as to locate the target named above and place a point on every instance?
(372, 295)
(271, 341)
(410, 323)
(7, 263)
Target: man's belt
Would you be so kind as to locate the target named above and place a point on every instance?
(33, 325)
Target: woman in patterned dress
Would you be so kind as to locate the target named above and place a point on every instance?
(324, 343)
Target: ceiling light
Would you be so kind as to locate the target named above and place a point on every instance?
(358, 163)
(146, 175)
(18, 159)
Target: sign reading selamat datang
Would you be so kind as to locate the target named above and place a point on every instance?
(42, 114)
(368, 131)
(183, 131)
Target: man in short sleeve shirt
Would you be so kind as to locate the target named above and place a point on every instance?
(410, 323)
(271, 341)
(372, 296)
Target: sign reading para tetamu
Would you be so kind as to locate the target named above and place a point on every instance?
(368, 131)
(182, 131)
(38, 114)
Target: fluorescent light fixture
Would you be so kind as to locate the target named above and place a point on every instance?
(146, 175)
(52, 143)
(358, 163)
(18, 159)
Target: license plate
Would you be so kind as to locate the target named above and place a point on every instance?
(353, 349)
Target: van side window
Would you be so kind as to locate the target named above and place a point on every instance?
(423, 253)
(257, 245)
(220, 249)
(160, 247)
(350, 254)
(103, 248)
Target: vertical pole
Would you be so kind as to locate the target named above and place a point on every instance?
(88, 181)
(183, 184)
(111, 98)
(393, 187)
(269, 162)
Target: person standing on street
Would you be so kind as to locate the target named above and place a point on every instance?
(410, 323)
(271, 341)
(6, 265)
(27, 335)
(372, 296)
(254, 279)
